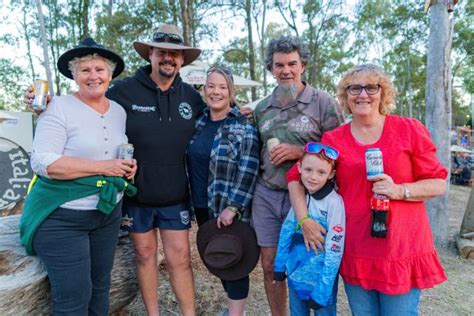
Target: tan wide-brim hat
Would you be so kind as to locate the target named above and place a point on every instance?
(168, 37)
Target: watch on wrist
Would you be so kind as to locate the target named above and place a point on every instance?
(406, 192)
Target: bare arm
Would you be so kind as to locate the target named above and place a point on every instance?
(66, 168)
(420, 190)
(312, 231)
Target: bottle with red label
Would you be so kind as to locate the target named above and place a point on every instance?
(379, 204)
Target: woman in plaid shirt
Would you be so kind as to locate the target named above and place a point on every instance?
(222, 160)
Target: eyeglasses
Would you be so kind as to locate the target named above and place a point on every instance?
(370, 89)
(316, 148)
(224, 70)
(167, 37)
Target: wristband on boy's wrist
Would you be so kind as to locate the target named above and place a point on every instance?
(301, 222)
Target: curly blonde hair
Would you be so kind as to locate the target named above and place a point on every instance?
(387, 102)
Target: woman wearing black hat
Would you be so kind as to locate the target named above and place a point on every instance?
(73, 224)
(222, 160)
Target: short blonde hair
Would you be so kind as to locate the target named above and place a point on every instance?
(387, 102)
(74, 63)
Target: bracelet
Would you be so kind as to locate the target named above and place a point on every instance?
(301, 222)
(235, 210)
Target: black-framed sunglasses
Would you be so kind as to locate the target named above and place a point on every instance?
(225, 70)
(168, 38)
(370, 89)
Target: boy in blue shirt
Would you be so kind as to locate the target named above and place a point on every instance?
(312, 277)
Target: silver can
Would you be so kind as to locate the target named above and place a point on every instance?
(40, 89)
(126, 152)
(373, 162)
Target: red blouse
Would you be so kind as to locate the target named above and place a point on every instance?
(407, 257)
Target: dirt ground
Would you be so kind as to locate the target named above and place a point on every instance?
(454, 297)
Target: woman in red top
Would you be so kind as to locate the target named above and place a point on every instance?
(382, 276)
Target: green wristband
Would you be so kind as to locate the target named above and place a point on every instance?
(235, 210)
(301, 222)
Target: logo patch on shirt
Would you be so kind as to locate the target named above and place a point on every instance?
(336, 238)
(338, 228)
(184, 215)
(335, 248)
(324, 213)
(304, 119)
(143, 108)
(185, 111)
(127, 221)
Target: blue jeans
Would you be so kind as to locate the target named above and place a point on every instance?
(375, 303)
(299, 307)
(77, 248)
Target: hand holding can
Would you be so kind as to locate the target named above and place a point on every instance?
(40, 90)
(271, 143)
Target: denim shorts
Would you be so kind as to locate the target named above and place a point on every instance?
(136, 219)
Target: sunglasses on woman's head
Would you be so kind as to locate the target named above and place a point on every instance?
(316, 148)
(168, 38)
(225, 70)
(356, 89)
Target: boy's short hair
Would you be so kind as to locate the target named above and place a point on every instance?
(322, 156)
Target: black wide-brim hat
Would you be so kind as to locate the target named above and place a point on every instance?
(230, 252)
(88, 47)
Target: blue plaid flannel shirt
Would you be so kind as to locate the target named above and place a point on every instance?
(234, 163)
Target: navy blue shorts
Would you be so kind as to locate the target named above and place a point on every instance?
(137, 219)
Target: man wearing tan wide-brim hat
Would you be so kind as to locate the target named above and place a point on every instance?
(161, 111)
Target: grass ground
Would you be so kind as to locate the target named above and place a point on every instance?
(454, 297)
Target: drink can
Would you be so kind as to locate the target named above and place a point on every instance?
(40, 89)
(272, 142)
(373, 162)
(126, 152)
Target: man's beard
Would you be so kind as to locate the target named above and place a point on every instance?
(165, 73)
(286, 93)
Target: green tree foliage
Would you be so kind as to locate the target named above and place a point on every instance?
(11, 89)
(339, 35)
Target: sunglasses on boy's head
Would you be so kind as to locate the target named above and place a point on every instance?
(316, 148)
(168, 38)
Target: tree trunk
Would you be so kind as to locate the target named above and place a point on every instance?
(174, 11)
(24, 25)
(438, 108)
(24, 286)
(186, 19)
(262, 47)
(248, 16)
(45, 47)
(84, 16)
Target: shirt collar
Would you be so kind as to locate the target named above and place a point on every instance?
(324, 191)
(234, 111)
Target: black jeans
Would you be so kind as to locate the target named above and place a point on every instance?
(77, 248)
(236, 289)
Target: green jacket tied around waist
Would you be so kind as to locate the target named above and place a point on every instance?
(47, 195)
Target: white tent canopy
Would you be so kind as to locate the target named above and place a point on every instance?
(456, 148)
(196, 72)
